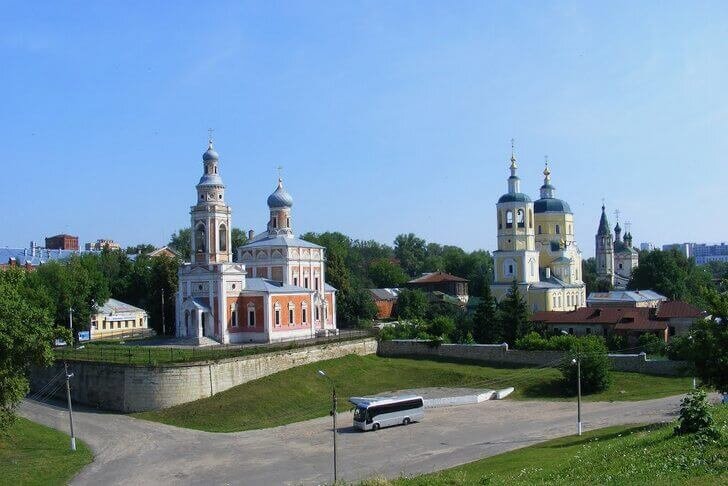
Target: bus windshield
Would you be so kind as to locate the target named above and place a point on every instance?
(360, 414)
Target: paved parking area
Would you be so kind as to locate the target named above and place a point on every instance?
(133, 451)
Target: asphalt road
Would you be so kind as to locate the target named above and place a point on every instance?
(133, 451)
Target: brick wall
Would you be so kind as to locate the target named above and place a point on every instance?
(127, 388)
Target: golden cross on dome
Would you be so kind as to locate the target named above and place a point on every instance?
(280, 172)
(617, 212)
(209, 134)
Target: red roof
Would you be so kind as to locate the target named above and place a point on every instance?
(628, 318)
(677, 308)
(437, 277)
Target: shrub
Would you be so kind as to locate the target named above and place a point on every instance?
(595, 365)
(441, 327)
(679, 348)
(651, 344)
(531, 342)
(695, 416)
(534, 342)
(615, 342)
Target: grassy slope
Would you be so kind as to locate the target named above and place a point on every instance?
(35, 454)
(299, 394)
(614, 455)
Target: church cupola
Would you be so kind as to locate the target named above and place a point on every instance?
(210, 189)
(547, 190)
(548, 203)
(280, 203)
(617, 233)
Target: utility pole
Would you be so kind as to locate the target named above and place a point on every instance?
(70, 410)
(70, 322)
(164, 331)
(333, 416)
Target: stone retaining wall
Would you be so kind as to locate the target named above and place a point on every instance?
(129, 388)
(500, 354)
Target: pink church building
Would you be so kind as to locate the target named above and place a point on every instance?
(276, 291)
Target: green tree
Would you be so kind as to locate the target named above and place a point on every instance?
(411, 304)
(513, 315)
(78, 283)
(411, 252)
(356, 305)
(238, 239)
(26, 336)
(595, 365)
(181, 242)
(140, 249)
(386, 273)
(673, 275)
(487, 327)
(709, 349)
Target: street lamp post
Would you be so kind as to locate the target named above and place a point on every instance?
(577, 362)
(164, 331)
(333, 415)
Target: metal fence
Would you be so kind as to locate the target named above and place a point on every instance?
(140, 354)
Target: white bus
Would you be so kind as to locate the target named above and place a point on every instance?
(372, 413)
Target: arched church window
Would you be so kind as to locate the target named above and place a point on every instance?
(278, 313)
(275, 222)
(530, 218)
(539, 229)
(288, 222)
(500, 220)
(509, 219)
(558, 230)
(222, 236)
(519, 218)
(200, 238)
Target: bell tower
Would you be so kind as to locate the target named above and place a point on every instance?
(211, 218)
(604, 249)
(516, 257)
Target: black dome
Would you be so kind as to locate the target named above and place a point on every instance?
(516, 197)
(551, 205)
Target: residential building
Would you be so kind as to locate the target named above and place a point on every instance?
(31, 257)
(666, 320)
(647, 246)
(62, 242)
(537, 247)
(443, 283)
(705, 253)
(385, 300)
(116, 318)
(685, 248)
(625, 298)
(100, 244)
(275, 292)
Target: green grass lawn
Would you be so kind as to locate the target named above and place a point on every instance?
(300, 394)
(34, 454)
(614, 455)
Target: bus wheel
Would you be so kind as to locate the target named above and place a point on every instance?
(406, 421)
(375, 427)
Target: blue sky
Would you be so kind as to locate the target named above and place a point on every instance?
(387, 117)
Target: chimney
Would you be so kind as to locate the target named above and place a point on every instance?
(251, 233)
